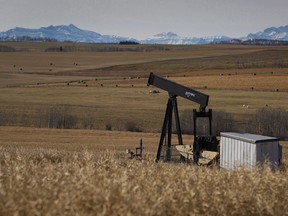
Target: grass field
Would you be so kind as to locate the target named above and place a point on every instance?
(85, 83)
(84, 172)
(46, 171)
(125, 104)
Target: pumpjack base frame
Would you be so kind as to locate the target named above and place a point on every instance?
(200, 142)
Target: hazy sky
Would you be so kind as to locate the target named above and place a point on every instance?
(141, 19)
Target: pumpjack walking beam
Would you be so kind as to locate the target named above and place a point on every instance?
(175, 90)
(179, 90)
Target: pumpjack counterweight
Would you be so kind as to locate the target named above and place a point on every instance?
(165, 148)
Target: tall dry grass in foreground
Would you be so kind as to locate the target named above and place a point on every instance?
(53, 182)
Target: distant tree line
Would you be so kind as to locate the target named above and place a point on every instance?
(258, 42)
(93, 48)
(266, 121)
(27, 39)
(221, 121)
(128, 42)
(108, 48)
(7, 49)
(60, 117)
(269, 121)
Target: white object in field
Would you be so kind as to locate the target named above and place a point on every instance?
(128, 151)
(186, 151)
(248, 150)
(206, 157)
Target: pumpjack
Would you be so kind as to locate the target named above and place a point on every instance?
(205, 147)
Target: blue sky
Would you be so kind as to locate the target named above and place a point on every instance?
(141, 19)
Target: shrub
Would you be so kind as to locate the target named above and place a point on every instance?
(58, 118)
(128, 42)
(221, 121)
(6, 49)
(132, 127)
(2, 118)
(88, 121)
(269, 121)
(108, 127)
(8, 118)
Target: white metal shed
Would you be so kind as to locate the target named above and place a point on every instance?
(248, 150)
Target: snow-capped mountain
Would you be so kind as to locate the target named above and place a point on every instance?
(62, 33)
(172, 38)
(164, 38)
(273, 33)
(75, 34)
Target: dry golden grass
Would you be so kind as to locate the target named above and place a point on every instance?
(39, 61)
(175, 59)
(56, 177)
(252, 79)
(248, 82)
(76, 140)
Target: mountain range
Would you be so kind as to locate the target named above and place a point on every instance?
(273, 33)
(74, 34)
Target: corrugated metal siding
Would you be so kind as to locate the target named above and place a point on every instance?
(242, 152)
(236, 153)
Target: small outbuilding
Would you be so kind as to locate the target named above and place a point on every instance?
(248, 150)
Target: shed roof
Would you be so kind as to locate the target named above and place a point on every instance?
(247, 137)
